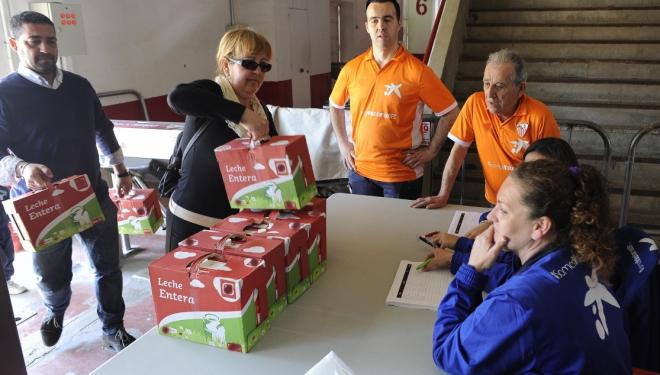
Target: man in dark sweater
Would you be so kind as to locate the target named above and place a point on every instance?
(51, 123)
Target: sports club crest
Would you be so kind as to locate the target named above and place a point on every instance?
(521, 129)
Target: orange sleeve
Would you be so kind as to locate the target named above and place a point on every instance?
(339, 95)
(462, 132)
(549, 127)
(435, 94)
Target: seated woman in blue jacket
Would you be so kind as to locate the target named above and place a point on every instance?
(555, 314)
(546, 148)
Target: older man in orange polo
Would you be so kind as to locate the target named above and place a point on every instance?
(502, 120)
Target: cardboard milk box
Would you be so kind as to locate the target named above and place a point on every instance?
(212, 299)
(317, 203)
(270, 251)
(276, 174)
(45, 217)
(294, 241)
(138, 212)
(313, 224)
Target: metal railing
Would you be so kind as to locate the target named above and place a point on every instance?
(135, 93)
(627, 179)
(607, 144)
(434, 31)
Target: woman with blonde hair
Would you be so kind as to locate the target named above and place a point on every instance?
(216, 112)
(556, 314)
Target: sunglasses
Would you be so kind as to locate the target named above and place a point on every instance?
(251, 64)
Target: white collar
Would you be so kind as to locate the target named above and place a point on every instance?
(35, 77)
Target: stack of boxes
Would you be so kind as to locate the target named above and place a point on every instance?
(223, 286)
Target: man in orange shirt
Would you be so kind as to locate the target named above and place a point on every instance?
(502, 120)
(387, 87)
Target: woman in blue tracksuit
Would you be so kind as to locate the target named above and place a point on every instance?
(546, 148)
(555, 314)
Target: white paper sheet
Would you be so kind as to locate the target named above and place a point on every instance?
(417, 289)
(463, 221)
(331, 364)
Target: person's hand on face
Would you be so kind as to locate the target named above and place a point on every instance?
(485, 250)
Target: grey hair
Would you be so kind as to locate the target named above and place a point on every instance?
(507, 56)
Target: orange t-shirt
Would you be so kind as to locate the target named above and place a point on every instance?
(386, 111)
(501, 145)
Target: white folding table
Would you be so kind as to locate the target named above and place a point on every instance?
(343, 311)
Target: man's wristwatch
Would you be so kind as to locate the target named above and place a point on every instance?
(123, 174)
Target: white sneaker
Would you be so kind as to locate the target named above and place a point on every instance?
(15, 288)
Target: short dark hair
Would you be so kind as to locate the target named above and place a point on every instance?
(555, 149)
(394, 2)
(28, 16)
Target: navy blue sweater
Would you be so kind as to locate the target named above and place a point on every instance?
(58, 128)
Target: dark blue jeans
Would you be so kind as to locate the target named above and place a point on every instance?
(366, 186)
(101, 242)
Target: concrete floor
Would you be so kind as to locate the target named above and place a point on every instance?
(79, 349)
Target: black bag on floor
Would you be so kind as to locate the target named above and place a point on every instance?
(172, 173)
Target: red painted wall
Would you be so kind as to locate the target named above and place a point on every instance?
(277, 93)
(319, 87)
(274, 93)
(156, 106)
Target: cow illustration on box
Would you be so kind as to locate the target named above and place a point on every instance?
(212, 299)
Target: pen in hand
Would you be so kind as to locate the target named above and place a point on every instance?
(422, 265)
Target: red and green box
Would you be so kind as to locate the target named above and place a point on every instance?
(138, 212)
(293, 238)
(212, 299)
(312, 222)
(276, 174)
(45, 217)
(270, 251)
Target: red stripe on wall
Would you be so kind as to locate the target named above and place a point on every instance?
(319, 88)
(277, 93)
(156, 106)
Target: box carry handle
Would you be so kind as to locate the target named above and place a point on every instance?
(219, 247)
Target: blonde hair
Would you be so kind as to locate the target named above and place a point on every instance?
(240, 42)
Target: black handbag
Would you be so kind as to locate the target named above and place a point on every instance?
(172, 174)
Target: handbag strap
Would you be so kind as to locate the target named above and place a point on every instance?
(192, 140)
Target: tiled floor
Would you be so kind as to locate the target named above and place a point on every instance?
(79, 350)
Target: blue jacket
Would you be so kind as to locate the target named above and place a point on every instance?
(637, 287)
(550, 317)
(506, 265)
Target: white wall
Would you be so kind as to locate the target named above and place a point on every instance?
(354, 37)
(151, 45)
(147, 45)
(273, 19)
